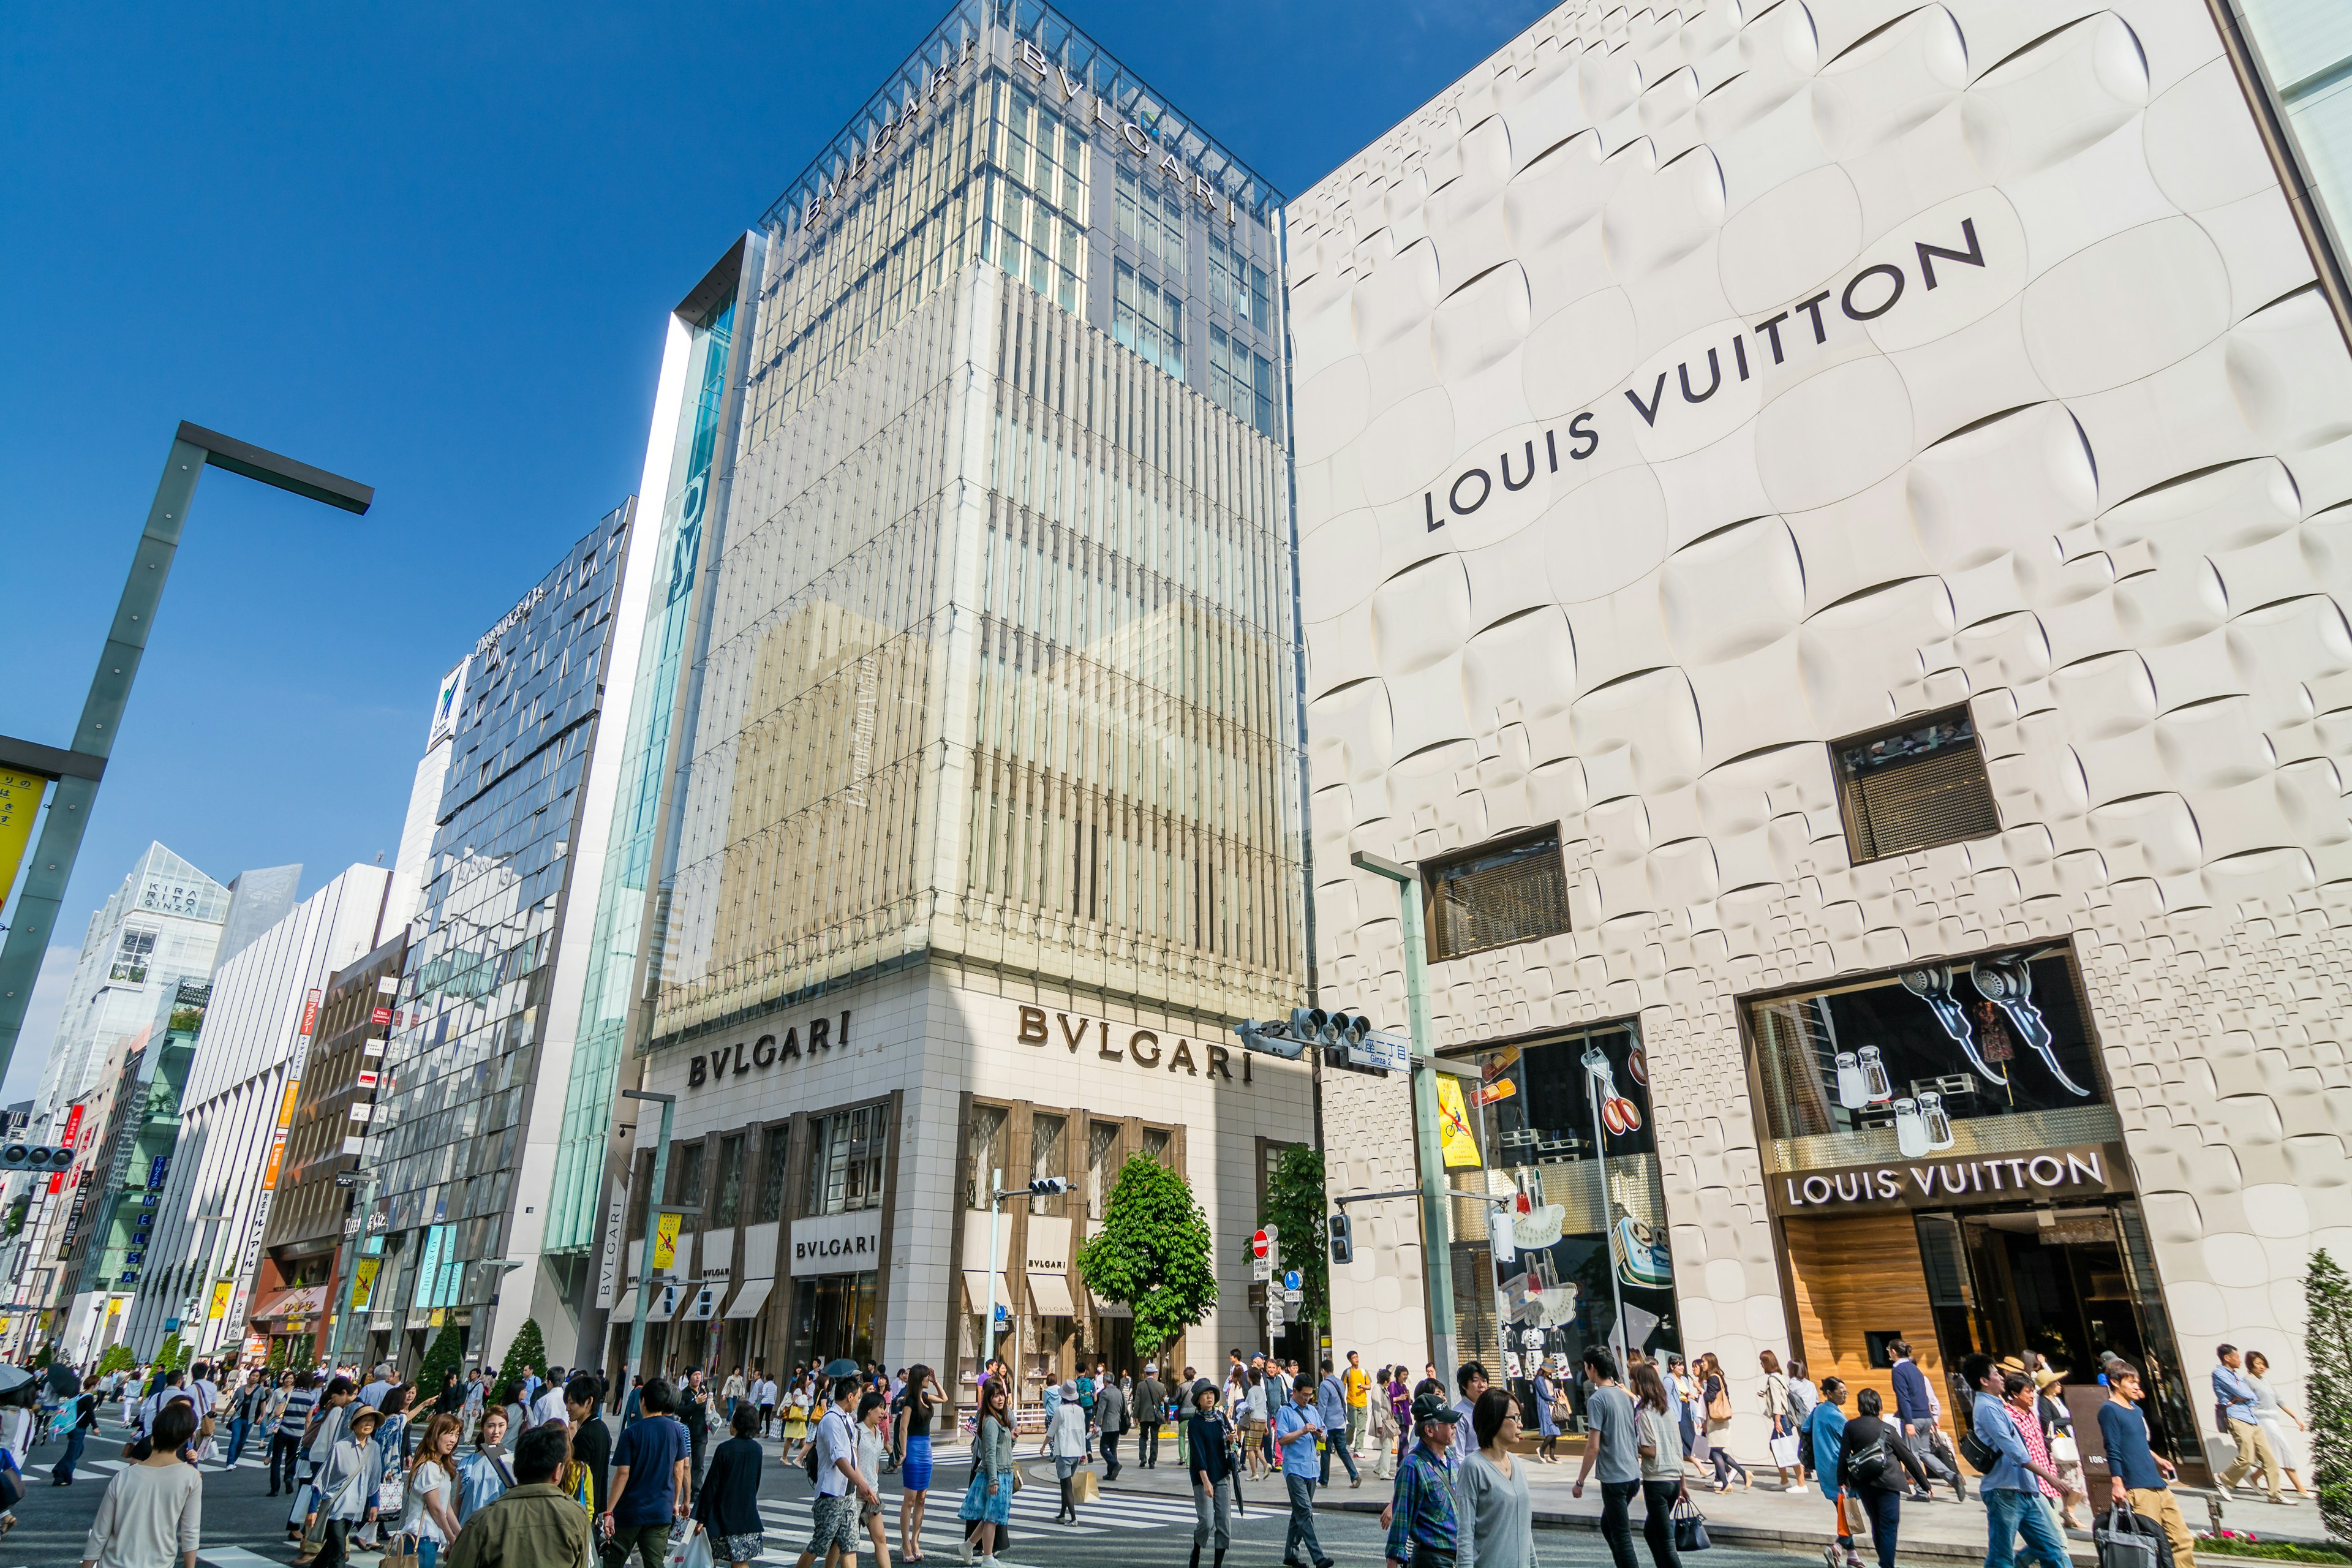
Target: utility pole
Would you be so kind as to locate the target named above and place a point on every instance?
(1436, 1245)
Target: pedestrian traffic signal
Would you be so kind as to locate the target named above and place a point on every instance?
(1343, 1240)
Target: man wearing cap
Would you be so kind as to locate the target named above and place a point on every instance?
(1150, 1410)
(1425, 1530)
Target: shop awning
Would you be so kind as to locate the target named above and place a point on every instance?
(975, 1290)
(1053, 1294)
(308, 1301)
(665, 1301)
(749, 1298)
(626, 1309)
(1105, 1308)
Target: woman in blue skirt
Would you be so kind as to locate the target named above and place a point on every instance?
(988, 1501)
(1547, 1426)
(914, 1407)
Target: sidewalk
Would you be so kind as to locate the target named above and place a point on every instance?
(1940, 1530)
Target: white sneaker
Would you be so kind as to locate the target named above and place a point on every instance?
(990, 1562)
(1798, 1490)
(963, 1549)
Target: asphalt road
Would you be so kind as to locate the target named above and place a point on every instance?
(245, 1527)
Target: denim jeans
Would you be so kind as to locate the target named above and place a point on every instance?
(1658, 1527)
(1302, 1522)
(1338, 1441)
(1616, 1522)
(2008, 1512)
(63, 1471)
(236, 1431)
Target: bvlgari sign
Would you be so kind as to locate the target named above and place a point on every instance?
(836, 1243)
(2083, 1172)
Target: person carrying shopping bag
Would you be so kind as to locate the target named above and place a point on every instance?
(344, 1493)
(1715, 1402)
(1780, 1404)
(1872, 1469)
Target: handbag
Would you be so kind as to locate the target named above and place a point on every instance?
(1981, 1455)
(1784, 1451)
(2125, 1538)
(399, 1553)
(2063, 1450)
(1719, 1408)
(1690, 1526)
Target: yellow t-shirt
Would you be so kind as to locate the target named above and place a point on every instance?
(1357, 1379)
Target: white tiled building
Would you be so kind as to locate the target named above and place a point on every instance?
(1814, 519)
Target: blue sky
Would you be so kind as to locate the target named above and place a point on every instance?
(431, 247)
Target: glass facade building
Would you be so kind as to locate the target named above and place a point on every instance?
(969, 674)
(462, 1080)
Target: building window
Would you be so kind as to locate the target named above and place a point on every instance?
(1046, 1134)
(1102, 1165)
(730, 1181)
(776, 1147)
(1147, 319)
(685, 1175)
(1506, 890)
(847, 1151)
(1153, 221)
(1914, 787)
(986, 1159)
(1158, 1145)
(130, 959)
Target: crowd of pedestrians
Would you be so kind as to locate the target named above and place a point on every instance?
(473, 1473)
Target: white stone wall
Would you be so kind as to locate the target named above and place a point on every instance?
(2092, 483)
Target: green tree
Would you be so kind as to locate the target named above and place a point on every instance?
(173, 1354)
(118, 1358)
(2327, 1349)
(1294, 1206)
(1153, 1254)
(446, 1353)
(527, 1351)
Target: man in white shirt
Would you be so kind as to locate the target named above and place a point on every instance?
(837, 1477)
(764, 1396)
(549, 1405)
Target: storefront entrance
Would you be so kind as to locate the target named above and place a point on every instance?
(1945, 1169)
(832, 1318)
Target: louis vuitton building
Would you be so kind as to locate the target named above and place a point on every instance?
(961, 816)
(1824, 535)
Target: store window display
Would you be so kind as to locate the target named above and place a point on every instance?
(1561, 1128)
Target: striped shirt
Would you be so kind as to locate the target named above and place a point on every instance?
(296, 1414)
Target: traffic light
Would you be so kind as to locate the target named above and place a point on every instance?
(1050, 1187)
(34, 1157)
(1343, 1240)
(1269, 1037)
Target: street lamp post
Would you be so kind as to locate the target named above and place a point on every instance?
(76, 770)
(1436, 1246)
